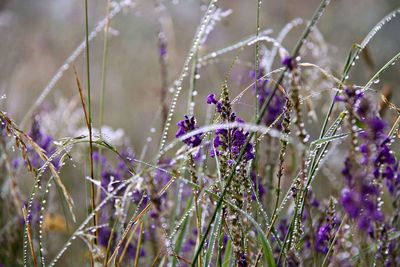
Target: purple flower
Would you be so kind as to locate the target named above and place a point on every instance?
(126, 161)
(373, 160)
(261, 187)
(185, 126)
(96, 158)
(392, 178)
(190, 243)
(282, 228)
(277, 104)
(376, 128)
(211, 99)
(161, 177)
(162, 44)
(104, 235)
(230, 140)
(233, 140)
(45, 142)
(15, 163)
(110, 180)
(352, 97)
(350, 203)
(33, 216)
(322, 238)
(289, 62)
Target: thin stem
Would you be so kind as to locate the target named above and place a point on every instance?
(162, 51)
(138, 245)
(256, 74)
(110, 240)
(324, 263)
(92, 189)
(103, 89)
(103, 77)
(29, 235)
(351, 58)
(257, 59)
(104, 71)
(192, 86)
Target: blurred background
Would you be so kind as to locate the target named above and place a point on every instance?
(37, 36)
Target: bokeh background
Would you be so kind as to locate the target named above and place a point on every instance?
(37, 36)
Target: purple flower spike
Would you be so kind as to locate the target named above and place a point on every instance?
(373, 160)
(322, 238)
(230, 140)
(350, 204)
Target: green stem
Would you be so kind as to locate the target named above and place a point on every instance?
(92, 189)
(103, 84)
(192, 86)
(257, 69)
(104, 70)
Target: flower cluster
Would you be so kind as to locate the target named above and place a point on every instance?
(227, 145)
(110, 179)
(326, 230)
(185, 126)
(322, 238)
(45, 141)
(263, 91)
(232, 139)
(371, 162)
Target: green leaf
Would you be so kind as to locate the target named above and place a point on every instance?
(179, 239)
(228, 254)
(211, 246)
(266, 248)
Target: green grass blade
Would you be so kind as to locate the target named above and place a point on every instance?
(214, 234)
(179, 239)
(228, 254)
(266, 248)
